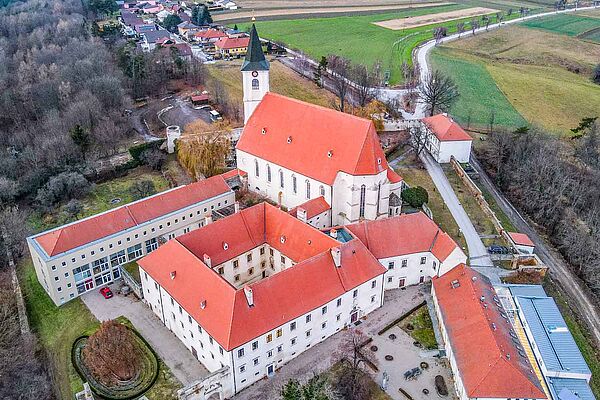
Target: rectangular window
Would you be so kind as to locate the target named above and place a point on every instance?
(269, 337)
(81, 273)
(242, 368)
(373, 284)
(151, 245)
(249, 257)
(339, 302)
(255, 361)
(282, 259)
(324, 310)
(308, 333)
(134, 252)
(262, 251)
(355, 293)
(404, 263)
(254, 345)
(308, 318)
(221, 271)
(100, 265)
(423, 260)
(324, 325)
(279, 348)
(293, 326)
(270, 353)
(279, 332)
(241, 352)
(373, 299)
(391, 265)
(293, 341)
(118, 258)
(236, 263)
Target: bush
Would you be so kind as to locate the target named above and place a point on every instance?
(154, 158)
(137, 150)
(416, 196)
(64, 186)
(142, 189)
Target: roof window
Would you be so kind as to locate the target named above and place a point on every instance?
(289, 139)
(225, 246)
(330, 153)
(263, 131)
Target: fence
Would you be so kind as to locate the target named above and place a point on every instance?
(132, 283)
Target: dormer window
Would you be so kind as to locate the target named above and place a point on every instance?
(282, 239)
(289, 139)
(225, 246)
(263, 131)
(379, 161)
(330, 153)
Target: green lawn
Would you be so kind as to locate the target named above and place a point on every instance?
(57, 328)
(133, 269)
(565, 24)
(422, 328)
(479, 94)
(356, 37)
(100, 197)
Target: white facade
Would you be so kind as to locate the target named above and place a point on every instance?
(443, 151)
(255, 85)
(265, 354)
(351, 197)
(72, 273)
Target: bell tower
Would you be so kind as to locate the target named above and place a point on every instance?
(255, 75)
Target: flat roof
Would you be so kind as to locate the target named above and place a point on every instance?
(555, 343)
(570, 389)
(527, 290)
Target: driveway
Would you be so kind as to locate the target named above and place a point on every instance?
(478, 254)
(170, 349)
(319, 358)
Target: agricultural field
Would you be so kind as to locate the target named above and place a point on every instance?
(283, 81)
(525, 75)
(565, 24)
(423, 20)
(346, 36)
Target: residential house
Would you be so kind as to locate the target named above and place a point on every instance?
(447, 139)
(232, 46)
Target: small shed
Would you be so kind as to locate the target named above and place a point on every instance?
(199, 99)
(521, 242)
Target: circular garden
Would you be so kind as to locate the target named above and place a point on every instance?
(115, 361)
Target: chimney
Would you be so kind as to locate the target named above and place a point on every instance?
(333, 233)
(249, 295)
(207, 260)
(203, 304)
(301, 214)
(173, 273)
(236, 207)
(207, 218)
(336, 253)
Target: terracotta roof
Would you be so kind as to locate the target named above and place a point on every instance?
(521, 239)
(404, 234)
(278, 299)
(445, 129)
(301, 136)
(393, 176)
(313, 207)
(200, 97)
(487, 358)
(232, 43)
(210, 34)
(79, 233)
(233, 173)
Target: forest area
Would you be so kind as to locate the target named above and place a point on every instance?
(556, 183)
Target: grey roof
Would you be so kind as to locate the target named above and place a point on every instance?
(550, 332)
(395, 200)
(570, 389)
(153, 36)
(527, 290)
(255, 58)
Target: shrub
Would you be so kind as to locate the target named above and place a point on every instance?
(154, 158)
(64, 186)
(142, 189)
(137, 150)
(596, 74)
(416, 196)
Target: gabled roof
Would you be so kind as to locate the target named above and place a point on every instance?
(313, 207)
(155, 36)
(404, 234)
(82, 232)
(255, 58)
(487, 359)
(210, 33)
(278, 299)
(186, 25)
(521, 239)
(314, 141)
(445, 129)
(232, 43)
(393, 176)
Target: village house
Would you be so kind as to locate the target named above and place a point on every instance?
(86, 254)
(232, 46)
(250, 292)
(152, 38)
(209, 35)
(521, 242)
(447, 139)
(185, 28)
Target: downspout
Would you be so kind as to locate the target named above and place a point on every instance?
(233, 372)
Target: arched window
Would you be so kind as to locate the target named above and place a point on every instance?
(281, 178)
(363, 193)
(322, 190)
(307, 189)
(255, 84)
(256, 170)
(268, 173)
(294, 184)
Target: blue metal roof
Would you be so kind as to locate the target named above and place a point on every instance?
(570, 389)
(527, 290)
(551, 335)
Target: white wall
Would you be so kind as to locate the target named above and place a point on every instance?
(253, 96)
(461, 150)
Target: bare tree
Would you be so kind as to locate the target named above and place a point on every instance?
(439, 33)
(364, 80)
(438, 92)
(420, 137)
(352, 355)
(460, 28)
(474, 25)
(339, 68)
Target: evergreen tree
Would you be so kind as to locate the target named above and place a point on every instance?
(81, 138)
(170, 22)
(201, 16)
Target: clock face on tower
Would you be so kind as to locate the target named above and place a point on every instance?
(255, 73)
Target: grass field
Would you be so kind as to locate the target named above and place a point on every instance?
(524, 75)
(422, 328)
(346, 36)
(282, 80)
(565, 24)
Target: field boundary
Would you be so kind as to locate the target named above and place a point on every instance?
(434, 18)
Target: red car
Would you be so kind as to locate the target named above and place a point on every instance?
(106, 292)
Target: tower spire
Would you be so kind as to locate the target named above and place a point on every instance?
(255, 58)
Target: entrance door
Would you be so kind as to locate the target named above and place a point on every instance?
(270, 369)
(354, 317)
(421, 279)
(402, 282)
(89, 284)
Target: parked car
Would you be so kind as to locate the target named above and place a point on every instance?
(106, 292)
(215, 116)
(496, 249)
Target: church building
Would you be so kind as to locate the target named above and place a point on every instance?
(294, 152)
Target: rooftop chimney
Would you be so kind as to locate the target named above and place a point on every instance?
(336, 253)
(236, 207)
(173, 273)
(207, 218)
(333, 233)
(301, 214)
(249, 295)
(207, 260)
(203, 304)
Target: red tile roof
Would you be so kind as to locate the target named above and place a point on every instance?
(233, 173)
(393, 176)
(521, 239)
(210, 34)
(313, 207)
(404, 234)
(445, 129)
(279, 298)
(227, 43)
(315, 132)
(87, 230)
(487, 358)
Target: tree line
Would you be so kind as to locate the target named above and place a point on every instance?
(556, 184)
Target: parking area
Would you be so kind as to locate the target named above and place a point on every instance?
(170, 349)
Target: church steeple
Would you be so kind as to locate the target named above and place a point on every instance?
(255, 58)
(255, 75)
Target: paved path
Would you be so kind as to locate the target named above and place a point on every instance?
(168, 347)
(477, 252)
(570, 283)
